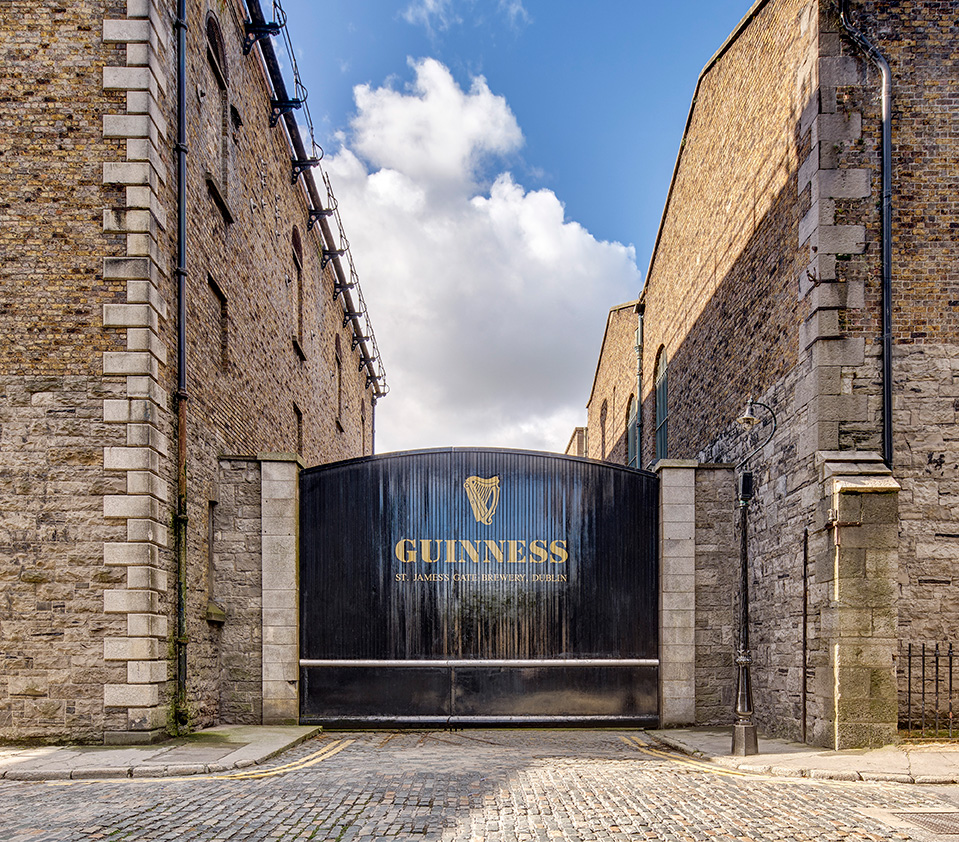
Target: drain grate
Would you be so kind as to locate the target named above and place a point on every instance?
(944, 823)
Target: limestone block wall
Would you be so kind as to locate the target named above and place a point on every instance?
(237, 589)
(142, 413)
(717, 583)
(677, 592)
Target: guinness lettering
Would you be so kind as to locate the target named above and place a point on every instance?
(453, 551)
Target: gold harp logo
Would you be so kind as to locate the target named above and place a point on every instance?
(483, 495)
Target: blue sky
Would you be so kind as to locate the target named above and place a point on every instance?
(501, 171)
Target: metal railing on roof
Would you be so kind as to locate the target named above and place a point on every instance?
(337, 249)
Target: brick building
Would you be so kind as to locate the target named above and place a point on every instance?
(768, 278)
(152, 162)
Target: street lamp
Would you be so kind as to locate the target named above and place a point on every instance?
(744, 729)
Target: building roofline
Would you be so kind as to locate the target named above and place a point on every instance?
(724, 48)
(629, 304)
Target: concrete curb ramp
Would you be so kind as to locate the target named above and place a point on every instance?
(215, 750)
(934, 763)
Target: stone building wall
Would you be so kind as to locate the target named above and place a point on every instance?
(88, 385)
(765, 281)
(52, 392)
(920, 42)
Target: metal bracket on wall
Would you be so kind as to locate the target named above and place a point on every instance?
(316, 215)
(339, 289)
(257, 31)
(328, 255)
(348, 317)
(301, 165)
(283, 106)
(357, 339)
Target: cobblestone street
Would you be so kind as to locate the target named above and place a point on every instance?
(475, 785)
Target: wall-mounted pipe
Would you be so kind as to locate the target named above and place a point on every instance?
(181, 716)
(880, 61)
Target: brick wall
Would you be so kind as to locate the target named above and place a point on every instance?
(765, 281)
(720, 297)
(614, 384)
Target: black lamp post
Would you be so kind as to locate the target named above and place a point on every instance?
(744, 729)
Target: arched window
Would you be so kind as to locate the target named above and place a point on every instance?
(338, 363)
(662, 404)
(216, 105)
(363, 425)
(298, 271)
(632, 433)
(603, 412)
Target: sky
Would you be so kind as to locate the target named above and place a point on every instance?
(500, 167)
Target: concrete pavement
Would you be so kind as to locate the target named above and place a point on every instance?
(212, 750)
(239, 746)
(921, 763)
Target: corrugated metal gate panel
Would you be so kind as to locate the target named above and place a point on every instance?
(397, 567)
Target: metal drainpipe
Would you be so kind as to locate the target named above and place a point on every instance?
(880, 61)
(181, 716)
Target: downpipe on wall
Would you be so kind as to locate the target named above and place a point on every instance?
(180, 713)
(880, 61)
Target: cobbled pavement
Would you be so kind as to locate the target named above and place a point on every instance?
(494, 786)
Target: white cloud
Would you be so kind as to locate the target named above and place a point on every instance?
(488, 304)
(440, 15)
(434, 132)
(433, 14)
(515, 11)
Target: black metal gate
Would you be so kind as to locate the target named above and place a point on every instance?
(478, 586)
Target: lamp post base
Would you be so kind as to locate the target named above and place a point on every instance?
(745, 742)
